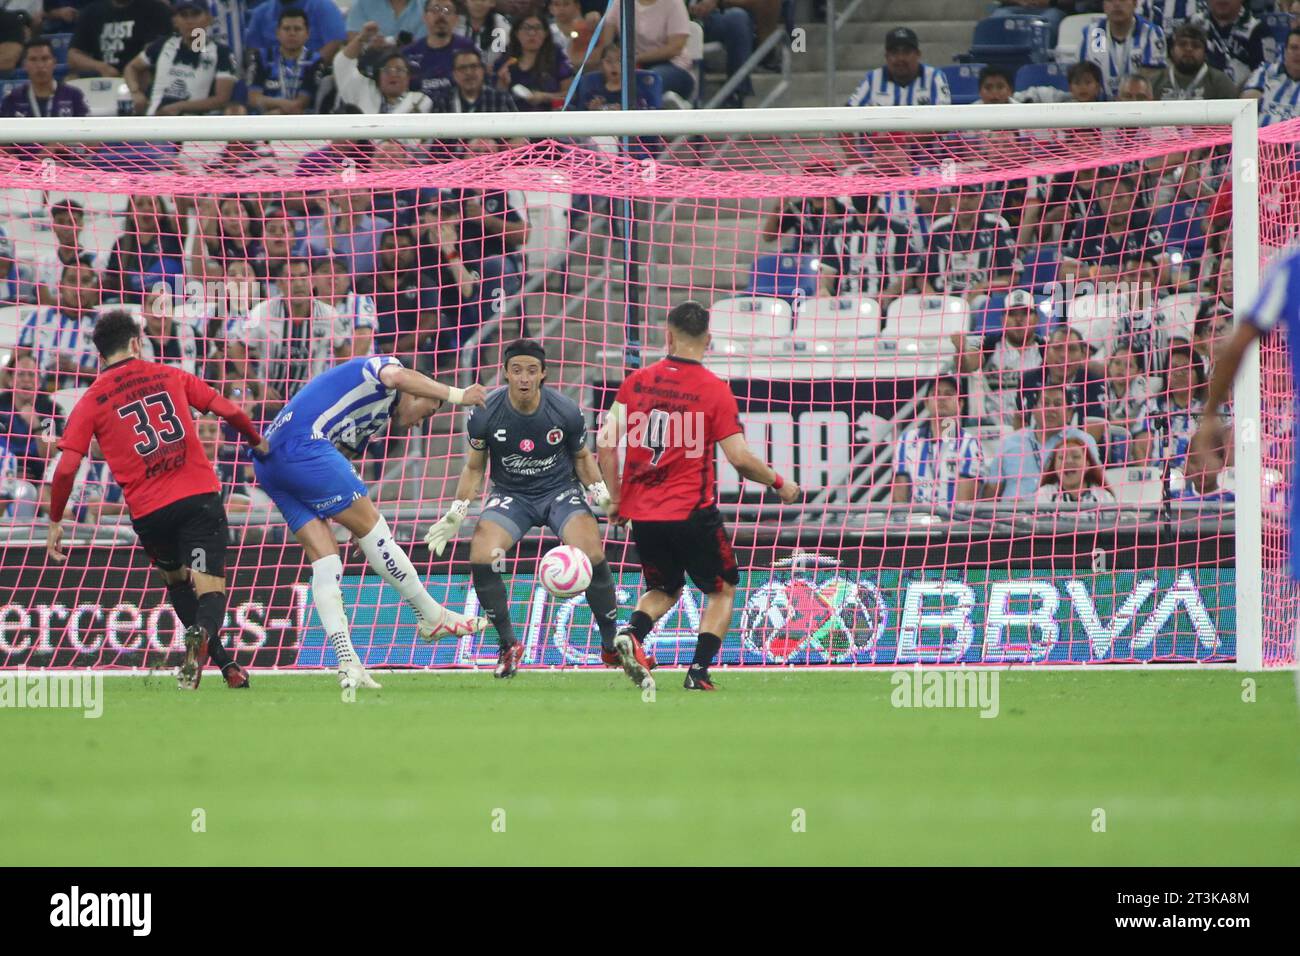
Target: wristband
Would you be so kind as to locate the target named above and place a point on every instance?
(455, 395)
(452, 256)
(777, 482)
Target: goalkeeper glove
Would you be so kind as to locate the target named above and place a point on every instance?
(598, 494)
(445, 528)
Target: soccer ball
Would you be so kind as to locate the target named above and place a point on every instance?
(565, 571)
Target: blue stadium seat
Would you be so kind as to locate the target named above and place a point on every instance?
(1184, 228)
(1039, 269)
(786, 276)
(963, 81)
(1010, 41)
(60, 42)
(1279, 25)
(1042, 74)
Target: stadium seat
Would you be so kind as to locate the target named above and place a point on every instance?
(1093, 316)
(1039, 269)
(1009, 41)
(1279, 25)
(786, 276)
(102, 93)
(963, 82)
(11, 323)
(750, 325)
(1070, 36)
(1042, 74)
(1184, 229)
(1140, 487)
(828, 325)
(926, 323)
(1176, 314)
(60, 43)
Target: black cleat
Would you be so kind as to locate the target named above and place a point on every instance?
(697, 678)
(508, 660)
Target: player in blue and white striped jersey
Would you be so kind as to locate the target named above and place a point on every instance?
(1277, 85)
(1122, 43)
(308, 474)
(937, 461)
(904, 80)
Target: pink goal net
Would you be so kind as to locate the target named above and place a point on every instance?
(982, 355)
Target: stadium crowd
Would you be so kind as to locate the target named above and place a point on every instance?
(259, 292)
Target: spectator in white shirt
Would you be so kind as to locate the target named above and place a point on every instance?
(390, 91)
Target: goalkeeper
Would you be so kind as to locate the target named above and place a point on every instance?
(535, 438)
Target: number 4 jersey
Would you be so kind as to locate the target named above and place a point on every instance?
(676, 411)
(140, 414)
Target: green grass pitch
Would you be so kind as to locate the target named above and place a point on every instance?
(586, 772)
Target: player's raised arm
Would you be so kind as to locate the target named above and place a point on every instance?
(205, 398)
(74, 446)
(755, 469)
(415, 383)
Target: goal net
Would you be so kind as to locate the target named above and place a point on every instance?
(980, 351)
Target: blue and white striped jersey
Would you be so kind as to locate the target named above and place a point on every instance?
(934, 466)
(355, 312)
(1167, 14)
(50, 334)
(228, 21)
(1279, 95)
(1143, 47)
(930, 88)
(347, 405)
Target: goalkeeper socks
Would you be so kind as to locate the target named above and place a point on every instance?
(211, 615)
(491, 591)
(391, 563)
(705, 648)
(326, 573)
(603, 603)
(640, 625)
(183, 600)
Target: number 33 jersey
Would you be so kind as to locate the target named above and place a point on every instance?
(676, 411)
(140, 414)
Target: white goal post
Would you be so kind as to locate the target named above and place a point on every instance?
(1239, 115)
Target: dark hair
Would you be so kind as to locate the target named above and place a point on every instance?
(524, 347)
(1187, 30)
(70, 206)
(114, 332)
(690, 318)
(989, 72)
(291, 12)
(1134, 350)
(1087, 66)
(952, 380)
(472, 51)
(38, 42)
(1293, 32)
(547, 67)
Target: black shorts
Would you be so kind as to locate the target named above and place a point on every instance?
(698, 546)
(191, 531)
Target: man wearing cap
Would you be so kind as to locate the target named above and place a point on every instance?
(904, 80)
(1122, 43)
(1188, 76)
(176, 76)
(1003, 357)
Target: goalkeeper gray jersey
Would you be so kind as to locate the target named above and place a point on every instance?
(528, 454)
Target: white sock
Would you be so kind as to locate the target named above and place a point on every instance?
(326, 573)
(391, 563)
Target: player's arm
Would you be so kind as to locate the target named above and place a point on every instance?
(467, 489)
(205, 398)
(755, 469)
(415, 383)
(1209, 434)
(607, 442)
(75, 444)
